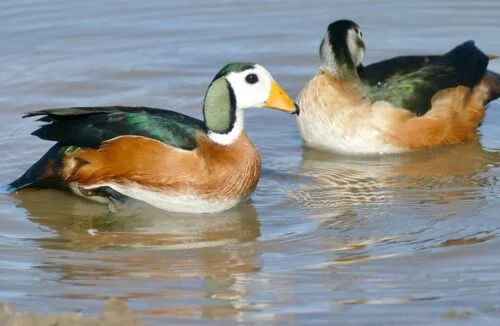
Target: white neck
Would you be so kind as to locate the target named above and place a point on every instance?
(332, 69)
(231, 136)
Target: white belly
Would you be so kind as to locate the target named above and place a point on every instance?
(335, 117)
(357, 130)
(173, 203)
(336, 137)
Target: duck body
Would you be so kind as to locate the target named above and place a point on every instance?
(396, 105)
(336, 118)
(164, 158)
(161, 157)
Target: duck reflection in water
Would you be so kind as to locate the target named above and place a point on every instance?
(82, 226)
(353, 185)
(134, 250)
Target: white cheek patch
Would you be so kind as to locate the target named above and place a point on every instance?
(250, 95)
(327, 56)
(357, 52)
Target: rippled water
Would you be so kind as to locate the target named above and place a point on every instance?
(326, 239)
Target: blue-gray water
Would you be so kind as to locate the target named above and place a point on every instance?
(326, 239)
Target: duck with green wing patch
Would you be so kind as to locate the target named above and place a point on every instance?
(164, 158)
(396, 105)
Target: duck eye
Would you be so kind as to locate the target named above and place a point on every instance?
(360, 34)
(251, 78)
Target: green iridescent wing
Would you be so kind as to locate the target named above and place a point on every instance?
(90, 126)
(74, 128)
(410, 82)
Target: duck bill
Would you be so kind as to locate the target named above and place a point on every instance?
(279, 100)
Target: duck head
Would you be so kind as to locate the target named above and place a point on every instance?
(342, 49)
(236, 87)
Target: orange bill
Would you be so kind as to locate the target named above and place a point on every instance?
(279, 100)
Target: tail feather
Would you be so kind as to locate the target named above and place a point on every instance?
(45, 173)
(470, 62)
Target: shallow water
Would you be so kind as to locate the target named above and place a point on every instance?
(407, 239)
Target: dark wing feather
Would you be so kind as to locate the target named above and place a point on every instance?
(380, 71)
(411, 81)
(46, 172)
(90, 126)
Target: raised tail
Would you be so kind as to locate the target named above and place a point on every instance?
(46, 173)
(469, 61)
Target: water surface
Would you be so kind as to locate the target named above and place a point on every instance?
(407, 239)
